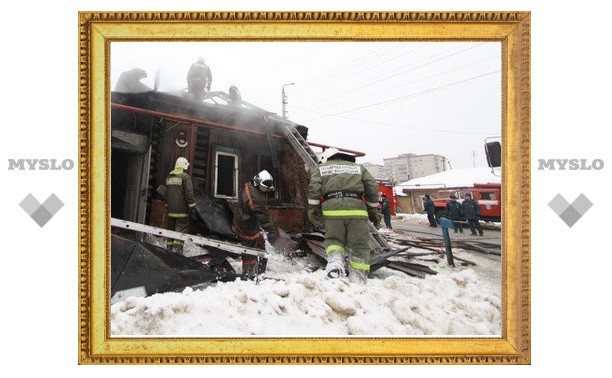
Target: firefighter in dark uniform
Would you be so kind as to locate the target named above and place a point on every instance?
(385, 209)
(430, 209)
(453, 212)
(251, 217)
(471, 211)
(129, 81)
(199, 79)
(180, 201)
(336, 189)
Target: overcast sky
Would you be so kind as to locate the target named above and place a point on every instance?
(381, 98)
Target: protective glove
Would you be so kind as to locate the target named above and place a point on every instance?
(272, 237)
(374, 216)
(192, 212)
(314, 216)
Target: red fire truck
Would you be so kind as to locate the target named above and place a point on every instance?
(487, 195)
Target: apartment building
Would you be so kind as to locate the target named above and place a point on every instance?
(410, 166)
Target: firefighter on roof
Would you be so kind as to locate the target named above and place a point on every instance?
(336, 189)
(199, 79)
(234, 96)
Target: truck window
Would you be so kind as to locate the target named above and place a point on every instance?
(488, 196)
(462, 194)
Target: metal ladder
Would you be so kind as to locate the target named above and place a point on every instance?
(232, 248)
(301, 146)
(378, 244)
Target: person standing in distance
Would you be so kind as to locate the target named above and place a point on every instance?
(453, 212)
(430, 209)
(385, 209)
(471, 211)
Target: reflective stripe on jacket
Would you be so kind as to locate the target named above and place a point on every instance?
(179, 193)
(338, 175)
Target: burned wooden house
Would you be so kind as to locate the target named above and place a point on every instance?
(227, 144)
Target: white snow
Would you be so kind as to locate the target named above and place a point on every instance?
(458, 301)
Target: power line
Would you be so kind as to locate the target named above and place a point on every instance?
(362, 69)
(343, 68)
(396, 125)
(426, 62)
(416, 94)
(386, 89)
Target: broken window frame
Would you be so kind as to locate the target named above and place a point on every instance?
(232, 153)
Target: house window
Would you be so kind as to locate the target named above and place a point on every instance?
(226, 174)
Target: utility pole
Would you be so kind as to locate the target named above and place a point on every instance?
(284, 99)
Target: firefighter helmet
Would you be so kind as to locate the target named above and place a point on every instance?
(323, 156)
(264, 178)
(181, 163)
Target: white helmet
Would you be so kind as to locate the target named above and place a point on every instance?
(323, 156)
(181, 163)
(264, 178)
(201, 60)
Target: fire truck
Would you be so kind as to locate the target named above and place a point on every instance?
(487, 195)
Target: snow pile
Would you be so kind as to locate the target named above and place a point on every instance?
(454, 302)
(411, 218)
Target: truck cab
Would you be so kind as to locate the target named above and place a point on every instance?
(487, 195)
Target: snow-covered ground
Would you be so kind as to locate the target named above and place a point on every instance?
(458, 301)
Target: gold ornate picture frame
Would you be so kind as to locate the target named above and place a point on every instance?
(98, 29)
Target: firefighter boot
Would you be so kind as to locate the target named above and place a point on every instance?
(335, 265)
(357, 276)
(249, 268)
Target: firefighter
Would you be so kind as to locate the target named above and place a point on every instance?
(180, 201)
(199, 79)
(234, 96)
(336, 189)
(129, 81)
(471, 211)
(251, 217)
(385, 209)
(430, 209)
(454, 211)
